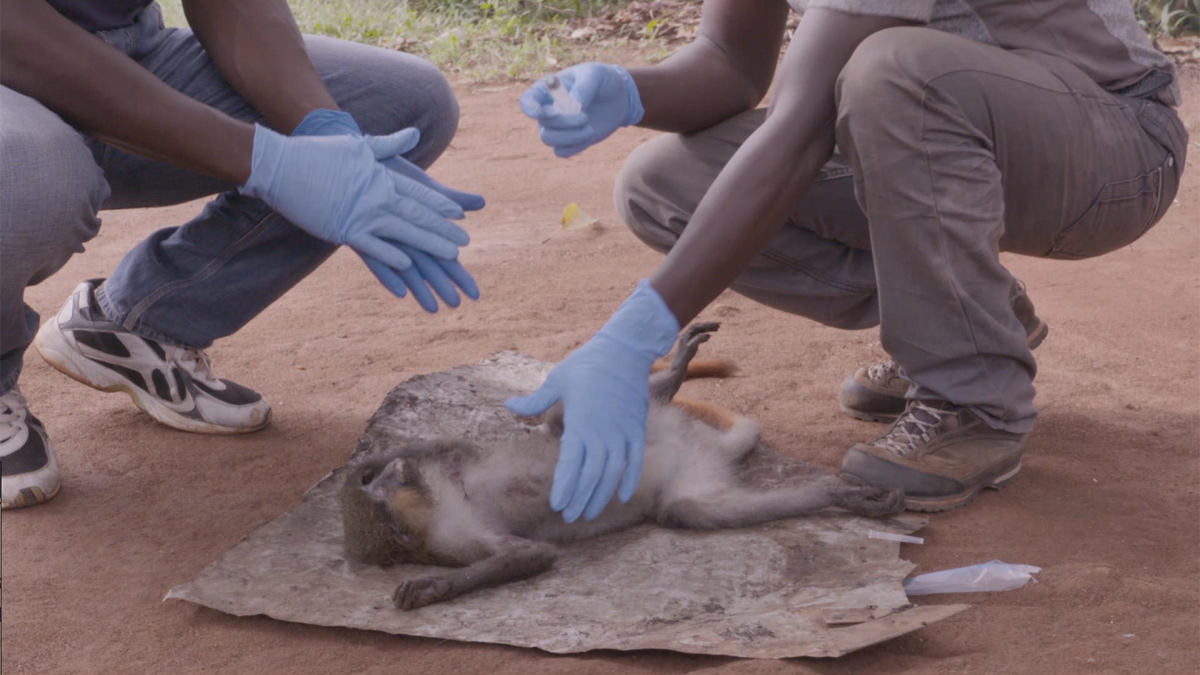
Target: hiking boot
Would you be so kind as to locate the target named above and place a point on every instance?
(30, 471)
(940, 454)
(875, 393)
(174, 385)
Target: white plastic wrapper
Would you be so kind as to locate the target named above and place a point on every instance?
(990, 576)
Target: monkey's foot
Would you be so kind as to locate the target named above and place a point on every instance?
(870, 502)
(690, 340)
(416, 593)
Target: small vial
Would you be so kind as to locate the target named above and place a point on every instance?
(903, 538)
(563, 103)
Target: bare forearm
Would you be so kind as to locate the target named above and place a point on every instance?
(725, 71)
(258, 48)
(751, 198)
(694, 89)
(745, 207)
(107, 95)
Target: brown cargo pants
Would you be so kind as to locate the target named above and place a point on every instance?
(950, 151)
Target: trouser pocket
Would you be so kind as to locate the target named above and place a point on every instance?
(1127, 209)
(1123, 212)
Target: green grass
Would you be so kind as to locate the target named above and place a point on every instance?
(482, 40)
(468, 39)
(1168, 17)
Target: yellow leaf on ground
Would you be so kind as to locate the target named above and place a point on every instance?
(573, 218)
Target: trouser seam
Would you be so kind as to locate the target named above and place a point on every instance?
(132, 321)
(814, 274)
(942, 248)
(1109, 101)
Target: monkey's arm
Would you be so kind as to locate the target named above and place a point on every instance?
(665, 383)
(515, 559)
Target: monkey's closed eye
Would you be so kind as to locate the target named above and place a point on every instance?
(368, 476)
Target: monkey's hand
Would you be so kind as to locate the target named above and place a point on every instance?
(416, 593)
(605, 390)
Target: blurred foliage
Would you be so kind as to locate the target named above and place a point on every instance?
(1168, 17)
(498, 39)
(474, 39)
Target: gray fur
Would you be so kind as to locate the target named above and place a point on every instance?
(488, 513)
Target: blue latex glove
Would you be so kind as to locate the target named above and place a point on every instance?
(426, 271)
(608, 96)
(605, 389)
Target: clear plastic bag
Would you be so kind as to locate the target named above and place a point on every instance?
(990, 576)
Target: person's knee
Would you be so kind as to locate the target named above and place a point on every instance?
(891, 73)
(52, 193)
(879, 75)
(387, 90)
(643, 191)
(407, 91)
(438, 119)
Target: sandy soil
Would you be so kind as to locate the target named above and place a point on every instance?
(1107, 503)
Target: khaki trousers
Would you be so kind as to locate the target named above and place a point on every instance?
(950, 151)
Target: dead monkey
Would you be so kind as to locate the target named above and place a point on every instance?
(487, 516)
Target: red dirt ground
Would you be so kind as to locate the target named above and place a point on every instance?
(1107, 503)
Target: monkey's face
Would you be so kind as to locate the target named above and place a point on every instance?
(386, 513)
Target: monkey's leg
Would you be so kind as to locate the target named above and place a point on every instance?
(740, 507)
(665, 384)
(711, 414)
(515, 559)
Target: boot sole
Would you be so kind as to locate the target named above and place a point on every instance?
(51, 344)
(951, 502)
(867, 416)
(1038, 334)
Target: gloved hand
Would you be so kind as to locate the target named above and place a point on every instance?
(427, 271)
(605, 389)
(609, 98)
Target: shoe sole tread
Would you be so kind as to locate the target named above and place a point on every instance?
(51, 345)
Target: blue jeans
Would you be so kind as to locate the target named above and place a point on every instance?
(191, 284)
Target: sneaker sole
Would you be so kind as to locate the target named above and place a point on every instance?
(52, 345)
(30, 496)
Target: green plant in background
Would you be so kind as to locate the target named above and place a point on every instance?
(1168, 17)
(473, 39)
(483, 40)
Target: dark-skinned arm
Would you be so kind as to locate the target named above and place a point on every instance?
(109, 96)
(725, 71)
(751, 198)
(258, 48)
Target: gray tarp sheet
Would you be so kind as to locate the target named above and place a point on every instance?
(805, 587)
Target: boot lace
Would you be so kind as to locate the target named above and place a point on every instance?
(916, 427)
(197, 363)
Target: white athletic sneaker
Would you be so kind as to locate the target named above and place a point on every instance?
(30, 471)
(175, 386)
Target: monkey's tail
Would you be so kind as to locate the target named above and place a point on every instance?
(709, 413)
(701, 368)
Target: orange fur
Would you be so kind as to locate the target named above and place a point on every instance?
(701, 368)
(709, 413)
(413, 507)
